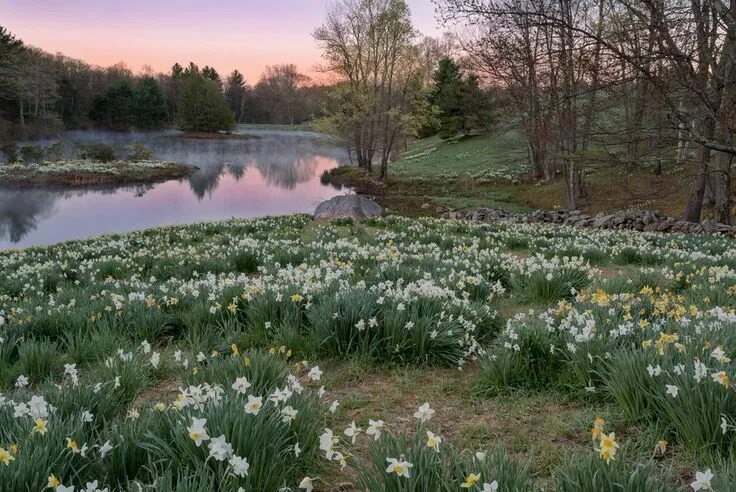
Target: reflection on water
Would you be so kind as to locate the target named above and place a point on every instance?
(275, 174)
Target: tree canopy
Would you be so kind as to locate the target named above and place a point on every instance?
(203, 107)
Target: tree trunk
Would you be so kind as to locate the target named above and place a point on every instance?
(721, 183)
(22, 117)
(721, 178)
(694, 207)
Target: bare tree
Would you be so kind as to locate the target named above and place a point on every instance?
(280, 88)
(675, 74)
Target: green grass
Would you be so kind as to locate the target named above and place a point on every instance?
(266, 126)
(493, 170)
(503, 151)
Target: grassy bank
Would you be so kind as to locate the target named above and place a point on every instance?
(216, 136)
(282, 127)
(255, 353)
(71, 173)
(493, 171)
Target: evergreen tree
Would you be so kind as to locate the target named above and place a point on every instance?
(11, 50)
(235, 92)
(149, 104)
(462, 103)
(177, 71)
(114, 108)
(210, 73)
(203, 108)
(191, 71)
(447, 96)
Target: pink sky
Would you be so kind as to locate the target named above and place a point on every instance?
(226, 34)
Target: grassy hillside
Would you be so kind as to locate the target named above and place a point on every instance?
(493, 171)
(271, 352)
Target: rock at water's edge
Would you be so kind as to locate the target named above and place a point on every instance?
(353, 206)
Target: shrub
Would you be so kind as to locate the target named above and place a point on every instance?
(31, 153)
(97, 152)
(138, 152)
(10, 149)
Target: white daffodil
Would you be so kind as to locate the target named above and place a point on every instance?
(240, 466)
(241, 385)
(288, 413)
(254, 405)
(424, 413)
(315, 373)
(352, 431)
(374, 428)
(490, 487)
(333, 407)
(307, 484)
(197, 431)
(399, 467)
(219, 448)
(702, 480)
(672, 390)
(433, 441)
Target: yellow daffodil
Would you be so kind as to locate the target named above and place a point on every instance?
(470, 480)
(53, 482)
(6, 457)
(597, 429)
(608, 447)
(40, 427)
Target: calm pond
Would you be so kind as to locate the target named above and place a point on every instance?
(277, 173)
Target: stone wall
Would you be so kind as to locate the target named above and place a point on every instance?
(640, 220)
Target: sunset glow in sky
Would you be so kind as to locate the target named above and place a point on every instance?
(226, 34)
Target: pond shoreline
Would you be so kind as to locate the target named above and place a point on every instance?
(122, 175)
(216, 136)
(275, 174)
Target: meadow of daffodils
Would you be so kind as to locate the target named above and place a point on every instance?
(195, 358)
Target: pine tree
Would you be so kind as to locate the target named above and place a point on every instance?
(149, 104)
(114, 108)
(462, 103)
(446, 96)
(210, 73)
(235, 91)
(202, 107)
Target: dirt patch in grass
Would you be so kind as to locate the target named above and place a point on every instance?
(164, 391)
(539, 427)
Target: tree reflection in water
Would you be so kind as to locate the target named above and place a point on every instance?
(277, 172)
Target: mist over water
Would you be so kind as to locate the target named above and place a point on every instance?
(277, 173)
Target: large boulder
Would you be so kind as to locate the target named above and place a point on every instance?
(353, 206)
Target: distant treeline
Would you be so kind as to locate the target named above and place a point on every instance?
(41, 94)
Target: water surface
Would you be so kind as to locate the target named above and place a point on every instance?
(277, 173)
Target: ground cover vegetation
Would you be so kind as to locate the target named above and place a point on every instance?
(86, 164)
(71, 173)
(395, 354)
